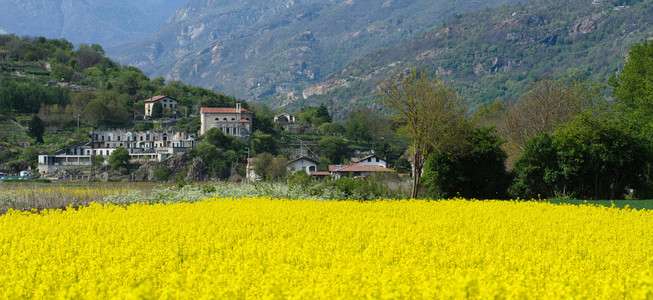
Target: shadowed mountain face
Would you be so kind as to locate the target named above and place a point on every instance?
(275, 49)
(104, 22)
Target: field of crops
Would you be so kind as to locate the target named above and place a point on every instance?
(263, 248)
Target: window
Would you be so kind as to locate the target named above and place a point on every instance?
(377, 159)
(118, 138)
(233, 119)
(224, 119)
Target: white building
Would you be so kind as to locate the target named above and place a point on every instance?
(372, 160)
(142, 145)
(302, 163)
(234, 121)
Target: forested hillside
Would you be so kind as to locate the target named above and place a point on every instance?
(267, 49)
(494, 54)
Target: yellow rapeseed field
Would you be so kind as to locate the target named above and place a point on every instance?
(262, 248)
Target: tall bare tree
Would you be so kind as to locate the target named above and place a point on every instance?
(545, 107)
(430, 112)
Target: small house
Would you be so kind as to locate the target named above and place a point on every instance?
(302, 163)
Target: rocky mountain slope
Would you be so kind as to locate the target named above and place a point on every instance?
(494, 54)
(274, 49)
(85, 21)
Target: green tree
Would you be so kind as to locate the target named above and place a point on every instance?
(430, 112)
(157, 110)
(334, 148)
(36, 128)
(633, 88)
(271, 167)
(322, 115)
(119, 158)
(590, 158)
(97, 160)
(261, 142)
(480, 172)
(333, 129)
(31, 156)
(162, 173)
(365, 124)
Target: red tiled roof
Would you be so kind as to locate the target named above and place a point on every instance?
(224, 110)
(360, 168)
(243, 121)
(4, 51)
(159, 97)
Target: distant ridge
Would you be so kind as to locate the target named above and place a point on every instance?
(264, 50)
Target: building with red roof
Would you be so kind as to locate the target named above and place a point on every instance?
(234, 121)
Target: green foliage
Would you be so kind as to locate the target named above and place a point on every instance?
(119, 158)
(31, 156)
(261, 142)
(36, 128)
(97, 160)
(376, 187)
(162, 173)
(315, 116)
(479, 172)
(157, 110)
(108, 109)
(334, 148)
(365, 124)
(489, 53)
(27, 97)
(392, 152)
(590, 158)
(220, 152)
(332, 129)
(633, 88)
(271, 167)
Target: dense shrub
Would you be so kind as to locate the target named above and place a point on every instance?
(589, 158)
(478, 172)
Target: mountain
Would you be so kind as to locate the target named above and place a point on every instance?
(494, 54)
(85, 21)
(255, 49)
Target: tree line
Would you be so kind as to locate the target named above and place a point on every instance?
(561, 139)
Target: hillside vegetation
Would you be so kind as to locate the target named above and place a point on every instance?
(494, 54)
(263, 49)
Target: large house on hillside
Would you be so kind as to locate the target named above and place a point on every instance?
(234, 121)
(168, 103)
